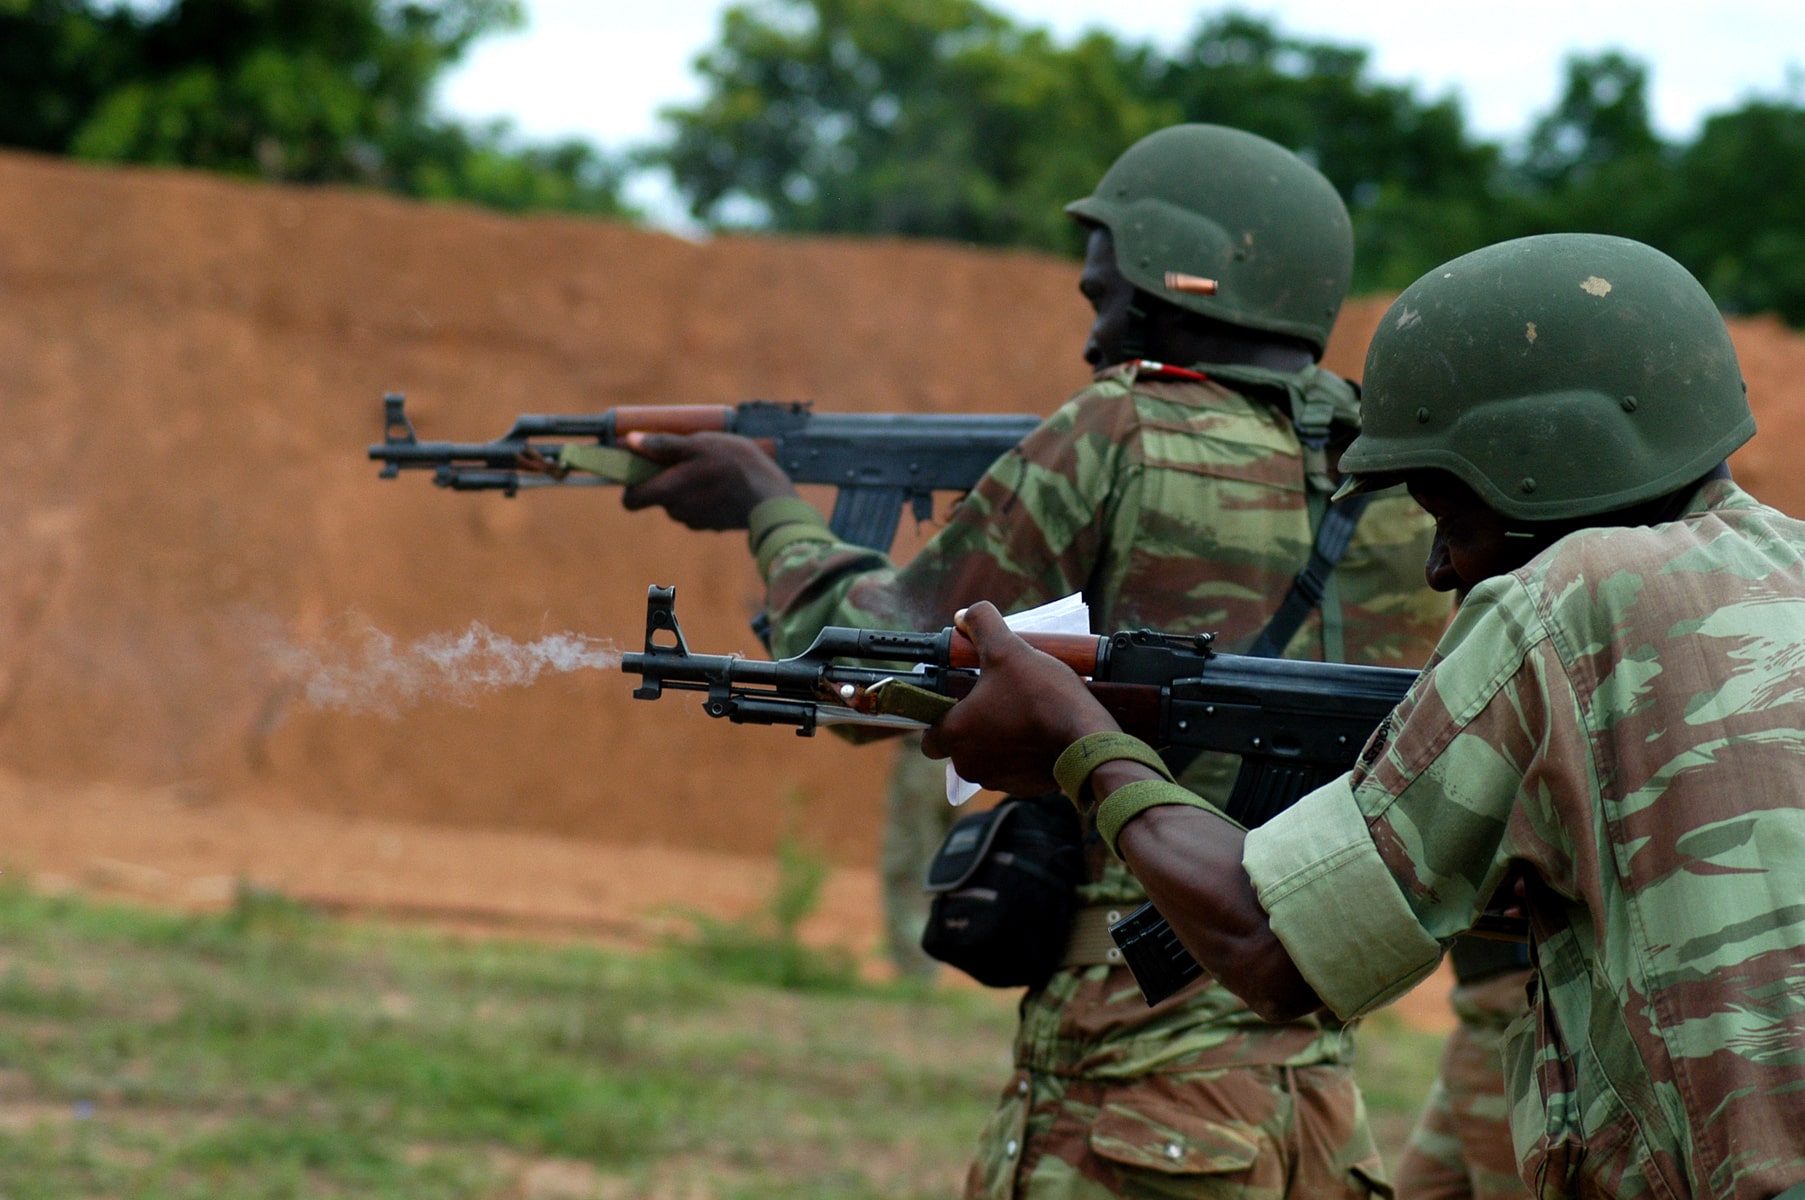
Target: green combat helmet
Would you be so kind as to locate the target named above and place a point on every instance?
(1231, 206)
(1558, 376)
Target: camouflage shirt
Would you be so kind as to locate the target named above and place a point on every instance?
(1172, 503)
(1624, 717)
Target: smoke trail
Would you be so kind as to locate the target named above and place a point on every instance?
(369, 672)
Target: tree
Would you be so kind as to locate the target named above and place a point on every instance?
(488, 166)
(941, 117)
(1418, 187)
(303, 91)
(924, 117)
(1736, 219)
(58, 58)
(1316, 98)
(1593, 162)
(1601, 120)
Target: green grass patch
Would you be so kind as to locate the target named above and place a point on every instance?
(767, 948)
(271, 1052)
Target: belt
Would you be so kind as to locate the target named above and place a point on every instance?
(1089, 944)
(1476, 958)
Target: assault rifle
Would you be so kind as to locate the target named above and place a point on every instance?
(1295, 725)
(879, 461)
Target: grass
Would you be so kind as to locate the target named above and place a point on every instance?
(268, 1052)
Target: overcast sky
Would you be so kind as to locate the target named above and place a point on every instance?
(600, 69)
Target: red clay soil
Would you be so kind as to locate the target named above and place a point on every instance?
(190, 369)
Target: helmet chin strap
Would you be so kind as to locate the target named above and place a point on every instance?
(1134, 330)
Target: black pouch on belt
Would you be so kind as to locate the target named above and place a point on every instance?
(1005, 885)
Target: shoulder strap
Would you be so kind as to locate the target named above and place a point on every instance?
(1314, 399)
(1332, 539)
(1317, 400)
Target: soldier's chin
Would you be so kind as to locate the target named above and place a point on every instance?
(1439, 572)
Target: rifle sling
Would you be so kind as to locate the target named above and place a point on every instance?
(1332, 539)
(616, 464)
(1333, 536)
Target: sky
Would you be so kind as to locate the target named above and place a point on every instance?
(601, 69)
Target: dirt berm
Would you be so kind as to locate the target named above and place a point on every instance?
(190, 369)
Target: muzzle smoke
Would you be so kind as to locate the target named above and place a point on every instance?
(368, 671)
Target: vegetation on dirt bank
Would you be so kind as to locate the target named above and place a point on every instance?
(935, 118)
(947, 118)
(270, 1052)
(302, 91)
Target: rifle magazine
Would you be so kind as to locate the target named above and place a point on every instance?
(1158, 960)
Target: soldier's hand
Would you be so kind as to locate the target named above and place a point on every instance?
(1026, 708)
(709, 480)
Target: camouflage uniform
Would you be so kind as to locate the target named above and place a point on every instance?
(1622, 718)
(1461, 1147)
(1180, 504)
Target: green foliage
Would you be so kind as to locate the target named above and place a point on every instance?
(1395, 1064)
(487, 166)
(942, 117)
(1600, 120)
(1736, 218)
(945, 118)
(930, 118)
(1317, 98)
(303, 91)
(1413, 180)
(165, 1057)
(58, 59)
(257, 910)
(902, 117)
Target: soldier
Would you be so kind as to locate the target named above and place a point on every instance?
(1183, 498)
(1612, 730)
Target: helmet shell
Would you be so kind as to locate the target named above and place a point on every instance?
(1230, 206)
(1558, 376)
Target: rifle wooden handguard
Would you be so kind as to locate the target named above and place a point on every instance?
(671, 418)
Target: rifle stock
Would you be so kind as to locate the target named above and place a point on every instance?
(879, 462)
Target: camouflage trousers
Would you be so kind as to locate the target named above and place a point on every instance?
(916, 818)
(1461, 1147)
(1241, 1133)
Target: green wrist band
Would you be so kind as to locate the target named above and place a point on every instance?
(1132, 799)
(778, 512)
(783, 537)
(1073, 768)
(775, 523)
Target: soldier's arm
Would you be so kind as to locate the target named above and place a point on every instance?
(1025, 712)
(1346, 899)
(1029, 532)
(710, 480)
(1367, 879)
